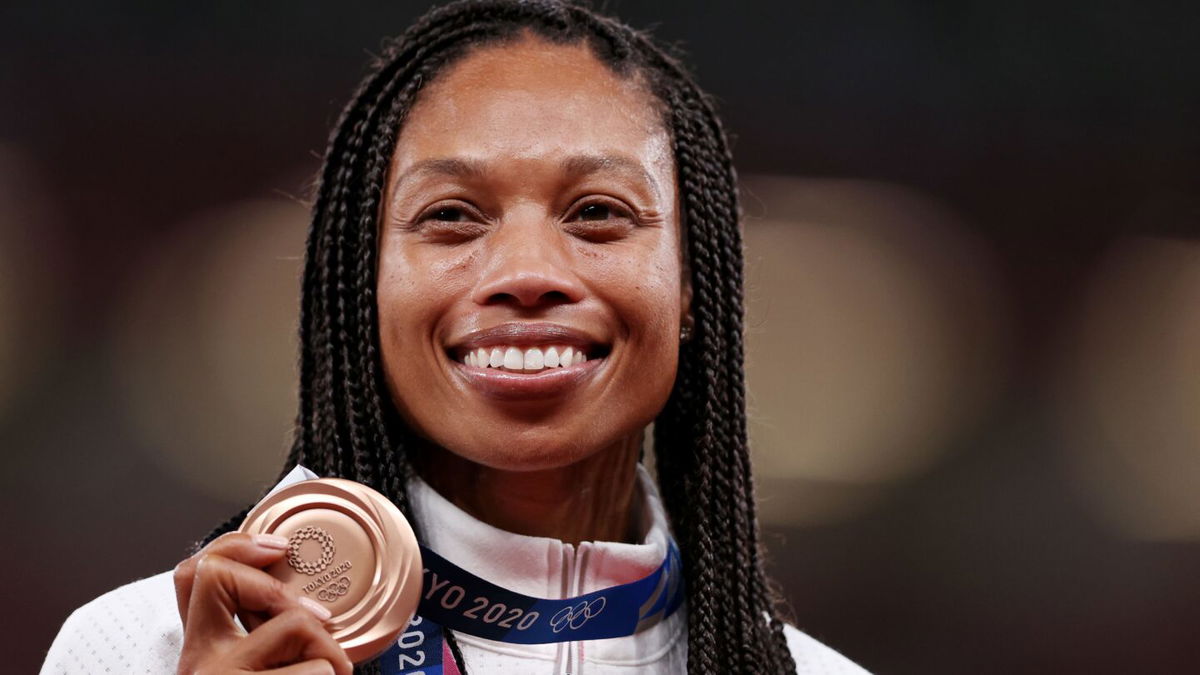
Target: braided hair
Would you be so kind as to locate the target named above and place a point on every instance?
(347, 425)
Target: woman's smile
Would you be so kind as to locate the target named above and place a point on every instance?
(528, 383)
(527, 360)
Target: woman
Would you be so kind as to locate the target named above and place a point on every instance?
(524, 250)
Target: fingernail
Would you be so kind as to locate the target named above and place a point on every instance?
(311, 605)
(271, 541)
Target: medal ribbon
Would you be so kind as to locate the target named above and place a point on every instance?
(454, 598)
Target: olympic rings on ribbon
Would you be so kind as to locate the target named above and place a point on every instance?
(576, 615)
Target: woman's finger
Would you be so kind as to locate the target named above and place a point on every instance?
(257, 550)
(223, 587)
(295, 635)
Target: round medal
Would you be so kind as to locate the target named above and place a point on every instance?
(351, 550)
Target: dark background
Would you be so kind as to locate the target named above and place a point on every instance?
(1062, 137)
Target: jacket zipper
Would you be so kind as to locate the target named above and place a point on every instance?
(570, 654)
(563, 660)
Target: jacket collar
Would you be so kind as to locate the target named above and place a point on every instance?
(539, 566)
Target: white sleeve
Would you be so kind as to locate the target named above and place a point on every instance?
(814, 658)
(133, 629)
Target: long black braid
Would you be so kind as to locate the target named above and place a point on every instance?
(347, 425)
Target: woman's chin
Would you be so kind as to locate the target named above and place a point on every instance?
(522, 457)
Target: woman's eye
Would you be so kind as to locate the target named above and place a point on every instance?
(600, 222)
(595, 212)
(447, 214)
(450, 224)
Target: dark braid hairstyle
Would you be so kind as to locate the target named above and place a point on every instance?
(347, 425)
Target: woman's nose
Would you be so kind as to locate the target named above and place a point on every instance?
(528, 267)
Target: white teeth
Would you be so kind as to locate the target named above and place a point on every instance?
(524, 359)
(513, 359)
(533, 359)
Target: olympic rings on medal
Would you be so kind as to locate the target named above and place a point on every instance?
(334, 590)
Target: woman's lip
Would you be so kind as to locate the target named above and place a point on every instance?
(505, 385)
(523, 335)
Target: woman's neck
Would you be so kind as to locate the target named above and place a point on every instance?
(595, 499)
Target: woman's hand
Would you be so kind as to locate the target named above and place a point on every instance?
(287, 633)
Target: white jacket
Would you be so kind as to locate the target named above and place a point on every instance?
(136, 628)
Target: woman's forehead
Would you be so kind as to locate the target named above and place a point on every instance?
(532, 100)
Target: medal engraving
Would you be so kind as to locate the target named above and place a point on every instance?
(334, 590)
(298, 562)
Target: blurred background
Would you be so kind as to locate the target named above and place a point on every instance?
(973, 236)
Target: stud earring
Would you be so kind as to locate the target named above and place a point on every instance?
(685, 333)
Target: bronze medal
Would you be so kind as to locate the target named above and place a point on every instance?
(352, 551)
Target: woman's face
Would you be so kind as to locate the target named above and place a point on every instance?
(530, 216)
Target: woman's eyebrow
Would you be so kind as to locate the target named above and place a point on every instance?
(583, 165)
(444, 166)
(576, 166)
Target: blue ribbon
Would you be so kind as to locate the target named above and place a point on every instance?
(417, 650)
(452, 597)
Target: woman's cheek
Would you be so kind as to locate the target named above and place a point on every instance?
(423, 280)
(646, 295)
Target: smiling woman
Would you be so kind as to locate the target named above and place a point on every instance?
(524, 250)
(533, 218)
